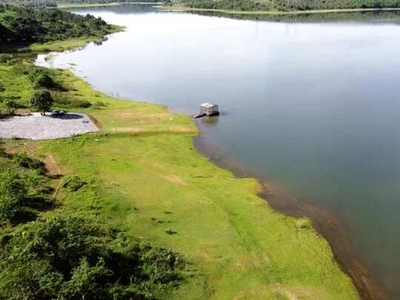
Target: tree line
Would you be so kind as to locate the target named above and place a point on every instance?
(54, 3)
(28, 25)
(288, 5)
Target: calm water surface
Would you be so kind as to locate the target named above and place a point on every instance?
(313, 106)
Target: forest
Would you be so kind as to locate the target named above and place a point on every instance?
(27, 25)
(243, 5)
(54, 3)
(290, 5)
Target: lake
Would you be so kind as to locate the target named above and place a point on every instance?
(313, 107)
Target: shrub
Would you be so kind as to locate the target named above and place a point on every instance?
(67, 102)
(30, 163)
(74, 183)
(11, 104)
(44, 81)
(21, 198)
(41, 101)
(74, 258)
(100, 104)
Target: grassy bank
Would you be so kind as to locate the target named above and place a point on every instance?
(144, 176)
(81, 5)
(70, 44)
(184, 8)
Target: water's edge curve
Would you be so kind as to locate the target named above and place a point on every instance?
(332, 228)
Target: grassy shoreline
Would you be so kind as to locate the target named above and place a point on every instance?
(83, 5)
(181, 8)
(145, 158)
(185, 8)
(146, 177)
(71, 44)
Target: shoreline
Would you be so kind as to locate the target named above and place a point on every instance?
(326, 223)
(178, 8)
(83, 5)
(340, 244)
(353, 268)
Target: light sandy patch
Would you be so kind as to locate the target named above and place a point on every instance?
(132, 114)
(175, 179)
(129, 129)
(185, 129)
(296, 293)
(152, 164)
(138, 129)
(52, 167)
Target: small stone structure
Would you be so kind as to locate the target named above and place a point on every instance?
(209, 109)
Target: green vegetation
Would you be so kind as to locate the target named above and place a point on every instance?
(41, 101)
(67, 256)
(23, 188)
(25, 25)
(290, 5)
(70, 3)
(24, 86)
(232, 5)
(353, 15)
(141, 174)
(42, 30)
(75, 258)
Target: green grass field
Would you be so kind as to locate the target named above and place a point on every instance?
(61, 45)
(69, 43)
(145, 177)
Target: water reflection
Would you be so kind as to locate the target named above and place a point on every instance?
(210, 121)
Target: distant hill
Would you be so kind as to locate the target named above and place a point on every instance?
(284, 5)
(20, 24)
(244, 5)
(53, 3)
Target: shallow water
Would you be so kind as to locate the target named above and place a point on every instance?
(312, 106)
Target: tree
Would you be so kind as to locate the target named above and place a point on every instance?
(44, 81)
(41, 101)
(67, 257)
(13, 191)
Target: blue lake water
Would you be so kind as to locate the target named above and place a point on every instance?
(312, 106)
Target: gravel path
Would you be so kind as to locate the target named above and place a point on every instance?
(37, 127)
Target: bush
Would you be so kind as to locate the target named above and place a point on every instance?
(67, 102)
(30, 163)
(40, 78)
(23, 193)
(74, 258)
(82, 103)
(11, 104)
(44, 81)
(41, 101)
(7, 59)
(21, 198)
(5, 113)
(74, 183)
(100, 104)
